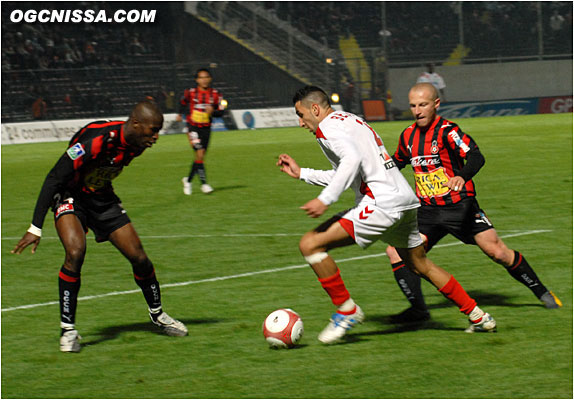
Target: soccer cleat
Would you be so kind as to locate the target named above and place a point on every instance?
(205, 188)
(410, 315)
(339, 325)
(485, 324)
(70, 341)
(186, 186)
(550, 300)
(170, 326)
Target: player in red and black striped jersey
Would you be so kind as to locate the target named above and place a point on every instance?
(200, 104)
(79, 190)
(444, 160)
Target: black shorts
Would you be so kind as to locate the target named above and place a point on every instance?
(103, 214)
(463, 220)
(199, 137)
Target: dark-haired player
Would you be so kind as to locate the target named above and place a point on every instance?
(79, 190)
(200, 104)
(444, 160)
(385, 210)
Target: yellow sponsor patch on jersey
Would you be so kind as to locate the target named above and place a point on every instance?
(430, 184)
(200, 117)
(100, 177)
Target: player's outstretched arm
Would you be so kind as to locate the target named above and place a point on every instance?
(27, 240)
(289, 166)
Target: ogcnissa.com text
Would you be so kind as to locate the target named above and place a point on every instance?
(86, 16)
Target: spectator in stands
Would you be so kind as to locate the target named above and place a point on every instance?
(348, 94)
(430, 76)
(556, 25)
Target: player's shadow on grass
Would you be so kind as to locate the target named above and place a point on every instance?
(485, 299)
(230, 187)
(113, 332)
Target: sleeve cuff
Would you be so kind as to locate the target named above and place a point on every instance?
(303, 174)
(34, 230)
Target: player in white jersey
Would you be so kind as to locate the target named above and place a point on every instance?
(385, 209)
(432, 77)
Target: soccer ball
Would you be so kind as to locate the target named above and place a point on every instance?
(283, 328)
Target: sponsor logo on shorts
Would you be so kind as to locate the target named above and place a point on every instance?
(481, 218)
(366, 212)
(76, 151)
(64, 209)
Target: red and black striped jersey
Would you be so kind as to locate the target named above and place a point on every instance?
(96, 155)
(436, 155)
(194, 103)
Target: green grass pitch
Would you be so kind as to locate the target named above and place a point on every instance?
(229, 252)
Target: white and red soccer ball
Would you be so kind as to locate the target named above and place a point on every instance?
(283, 328)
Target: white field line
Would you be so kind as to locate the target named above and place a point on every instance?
(247, 274)
(188, 236)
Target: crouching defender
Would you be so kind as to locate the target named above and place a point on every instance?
(385, 210)
(79, 190)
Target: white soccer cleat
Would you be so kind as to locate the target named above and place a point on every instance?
(186, 186)
(70, 341)
(170, 326)
(486, 324)
(205, 188)
(339, 325)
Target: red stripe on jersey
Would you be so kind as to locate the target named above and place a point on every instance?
(97, 146)
(78, 137)
(366, 190)
(68, 278)
(319, 134)
(105, 124)
(348, 226)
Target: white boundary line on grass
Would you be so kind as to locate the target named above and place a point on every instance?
(247, 274)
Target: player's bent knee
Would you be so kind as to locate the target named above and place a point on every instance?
(75, 258)
(307, 244)
(142, 264)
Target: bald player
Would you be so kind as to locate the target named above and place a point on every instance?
(79, 191)
(444, 160)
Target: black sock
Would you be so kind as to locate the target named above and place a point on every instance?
(69, 284)
(201, 173)
(523, 273)
(149, 285)
(192, 172)
(410, 284)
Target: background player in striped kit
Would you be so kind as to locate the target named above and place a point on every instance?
(437, 150)
(80, 192)
(200, 105)
(385, 209)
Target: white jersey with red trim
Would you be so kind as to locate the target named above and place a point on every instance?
(361, 162)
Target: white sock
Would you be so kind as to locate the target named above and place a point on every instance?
(476, 314)
(347, 306)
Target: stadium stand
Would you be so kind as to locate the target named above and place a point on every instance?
(58, 71)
